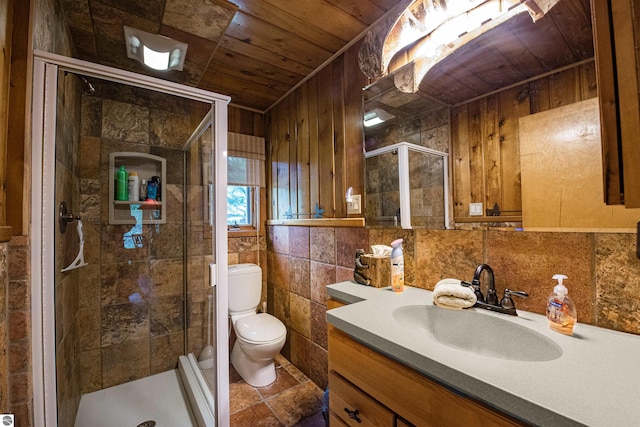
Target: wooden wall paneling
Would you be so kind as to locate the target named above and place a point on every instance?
(491, 152)
(314, 165)
(460, 161)
(539, 95)
(612, 176)
(19, 96)
(293, 153)
(588, 81)
(510, 108)
(272, 166)
(235, 123)
(339, 159)
(477, 112)
(302, 163)
(325, 142)
(6, 27)
(625, 38)
(283, 138)
(354, 81)
(564, 88)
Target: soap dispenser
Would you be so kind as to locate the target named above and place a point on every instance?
(397, 266)
(561, 310)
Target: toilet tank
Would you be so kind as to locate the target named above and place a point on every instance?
(245, 288)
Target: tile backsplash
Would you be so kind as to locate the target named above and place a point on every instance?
(602, 268)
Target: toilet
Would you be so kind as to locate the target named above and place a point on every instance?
(259, 336)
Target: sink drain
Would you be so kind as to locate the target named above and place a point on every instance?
(147, 424)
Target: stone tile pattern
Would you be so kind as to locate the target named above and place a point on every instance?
(302, 262)
(67, 189)
(426, 172)
(603, 272)
(4, 327)
(130, 303)
(289, 400)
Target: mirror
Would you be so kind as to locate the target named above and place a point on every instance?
(469, 104)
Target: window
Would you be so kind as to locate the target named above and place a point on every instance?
(240, 206)
(245, 176)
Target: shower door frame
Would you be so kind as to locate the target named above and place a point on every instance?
(44, 220)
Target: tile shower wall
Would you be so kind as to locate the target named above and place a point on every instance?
(603, 271)
(427, 194)
(67, 190)
(130, 318)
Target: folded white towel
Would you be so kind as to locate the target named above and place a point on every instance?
(449, 293)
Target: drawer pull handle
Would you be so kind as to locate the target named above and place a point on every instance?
(353, 415)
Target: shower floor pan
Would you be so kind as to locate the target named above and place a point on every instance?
(158, 398)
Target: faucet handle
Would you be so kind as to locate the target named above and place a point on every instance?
(507, 302)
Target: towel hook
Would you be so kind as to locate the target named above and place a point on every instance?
(64, 218)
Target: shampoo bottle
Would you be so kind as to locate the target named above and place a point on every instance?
(133, 186)
(561, 310)
(121, 184)
(397, 266)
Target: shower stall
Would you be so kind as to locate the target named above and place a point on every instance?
(136, 289)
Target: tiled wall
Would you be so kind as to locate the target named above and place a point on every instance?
(121, 338)
(426, 172)
(67, 190)
(4, 327)
(18, 316)
(302, 262)
(603, 271)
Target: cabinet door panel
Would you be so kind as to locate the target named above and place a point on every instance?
(344, 397)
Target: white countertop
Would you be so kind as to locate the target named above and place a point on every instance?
(595, 382)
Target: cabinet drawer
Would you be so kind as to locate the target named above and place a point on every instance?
(344, 395)
(335, 421)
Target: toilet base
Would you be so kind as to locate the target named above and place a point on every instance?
(254, 373)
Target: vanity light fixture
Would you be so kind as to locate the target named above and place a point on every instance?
(376, 116)
(155, 51)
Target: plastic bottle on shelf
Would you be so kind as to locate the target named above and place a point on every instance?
(133, 186)
(122, 192)
(156, 179)
(152, 190)
(143, 190)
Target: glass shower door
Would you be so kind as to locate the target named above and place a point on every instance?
(204, 329)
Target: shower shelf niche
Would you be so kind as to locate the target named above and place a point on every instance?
(138, 212)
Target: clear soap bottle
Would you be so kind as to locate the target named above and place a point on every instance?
(397, 266)
(561, 310)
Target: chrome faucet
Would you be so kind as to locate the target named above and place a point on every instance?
(490, 302)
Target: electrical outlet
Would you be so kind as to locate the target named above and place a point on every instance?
(355, 206)
(475, 209)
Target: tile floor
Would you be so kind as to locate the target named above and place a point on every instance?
(292, 400)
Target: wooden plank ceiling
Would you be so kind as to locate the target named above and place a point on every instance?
(252, 50)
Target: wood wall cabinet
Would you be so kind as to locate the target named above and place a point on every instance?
(616, 27)
(387, 393)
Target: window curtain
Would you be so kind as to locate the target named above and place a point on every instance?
(246, 160)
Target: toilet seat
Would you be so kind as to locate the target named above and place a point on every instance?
(260, 328)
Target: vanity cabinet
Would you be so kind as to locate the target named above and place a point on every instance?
(387, 393)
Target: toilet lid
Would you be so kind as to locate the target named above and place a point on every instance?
(261, 327)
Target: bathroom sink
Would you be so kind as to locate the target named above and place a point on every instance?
(479, 333)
